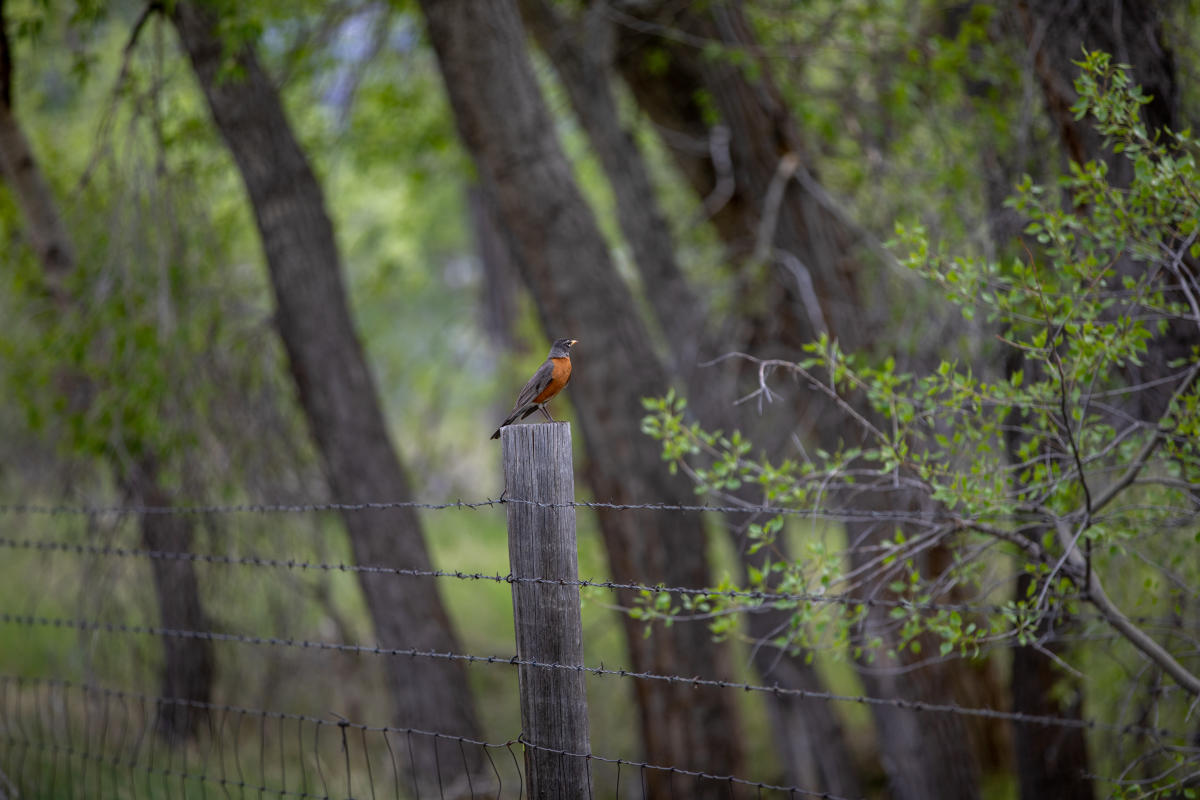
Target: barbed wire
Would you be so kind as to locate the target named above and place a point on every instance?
(748, 595)
(341, 723)
(769, 600)
(846, 515)
(694, 682)
(754, 595)
(237, 508)
(584, 583)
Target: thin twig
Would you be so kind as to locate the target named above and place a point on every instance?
(106, 122)
(1139, 461)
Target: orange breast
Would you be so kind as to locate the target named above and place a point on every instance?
(558, 379)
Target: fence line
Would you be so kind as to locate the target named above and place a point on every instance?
(23, 736)
(343, 725)
(149, 702)
(583, 583)
(694, 682)
(223, 783)
(291, 563)
(848, 515)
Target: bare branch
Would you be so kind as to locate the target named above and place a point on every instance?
(804, 285)
(1140, 460)
(770, 213)
(722, 161)
(114, 95)
(1077, 569)
(1140, 639)
(830, 204)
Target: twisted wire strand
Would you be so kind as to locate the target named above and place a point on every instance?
(695, 682)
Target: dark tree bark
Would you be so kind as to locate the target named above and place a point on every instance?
(1052, 763)
(334, 383)
(1129, 30)
(1055, 763)
(817, 281)
(188, 670)
(43, 223)
(756, 145)
(564, 260)
(188, 664)
(581, 53)
(808, 733)
(924, 755)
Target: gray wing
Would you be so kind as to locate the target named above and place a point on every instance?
(537, 384)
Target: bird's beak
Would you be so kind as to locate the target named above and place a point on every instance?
(574, 342)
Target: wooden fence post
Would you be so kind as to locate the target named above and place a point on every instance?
(541, 544)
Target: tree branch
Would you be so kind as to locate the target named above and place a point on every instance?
(1096, 595)
(114, 98)
(19, 167)
(1072, 561)
(764, 366)
(1140, 639)
(1140, 460)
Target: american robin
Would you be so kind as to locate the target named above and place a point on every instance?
(548, 381)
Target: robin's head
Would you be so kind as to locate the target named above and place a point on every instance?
(562, 348)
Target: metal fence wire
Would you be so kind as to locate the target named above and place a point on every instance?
(72, 727)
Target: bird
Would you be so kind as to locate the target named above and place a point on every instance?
(547, 382)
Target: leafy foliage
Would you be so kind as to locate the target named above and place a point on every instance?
(1083, 455)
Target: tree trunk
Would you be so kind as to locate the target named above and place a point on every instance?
(1050, 763)
(808, 733)
(1131, 30)
(508, 130)
(334, 384)
(43, 224)
(188, 663)
(816, 282)
(188, 669)
(924, 755)
(581, 53)
(756, 144)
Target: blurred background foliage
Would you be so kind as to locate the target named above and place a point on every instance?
(925, 112)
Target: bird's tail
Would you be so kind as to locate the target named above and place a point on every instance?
(518, 413)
